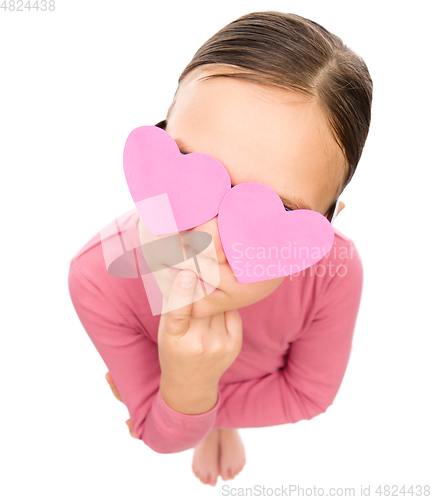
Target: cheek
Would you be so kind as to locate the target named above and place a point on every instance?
(254, 292)
(265, 288)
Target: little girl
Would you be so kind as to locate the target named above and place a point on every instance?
(280, 101)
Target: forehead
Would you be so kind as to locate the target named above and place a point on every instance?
(260, 134)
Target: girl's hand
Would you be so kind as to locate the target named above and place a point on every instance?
(117, 395)
(194, 352)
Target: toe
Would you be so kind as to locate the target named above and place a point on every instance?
(202, 477)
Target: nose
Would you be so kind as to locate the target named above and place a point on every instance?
(194, 243)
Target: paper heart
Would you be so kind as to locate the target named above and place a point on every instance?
(172, 192)
(263, 241)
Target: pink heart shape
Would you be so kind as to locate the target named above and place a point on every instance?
(263, 241)
(172, 192)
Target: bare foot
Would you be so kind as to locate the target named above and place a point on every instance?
(232, 457)
(206, 457)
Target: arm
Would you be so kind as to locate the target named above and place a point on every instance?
(132, 360)
(315, 367)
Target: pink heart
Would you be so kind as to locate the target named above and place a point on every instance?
(172, 192)
(263, 241)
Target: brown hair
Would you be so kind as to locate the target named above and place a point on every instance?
(292, 52)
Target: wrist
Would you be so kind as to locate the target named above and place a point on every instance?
(187, 398)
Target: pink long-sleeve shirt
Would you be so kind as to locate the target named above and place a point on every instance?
(295, 350)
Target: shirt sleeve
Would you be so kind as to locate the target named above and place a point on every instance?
(316, 363)
(132, 360)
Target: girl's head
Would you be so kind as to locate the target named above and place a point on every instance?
(278, 100)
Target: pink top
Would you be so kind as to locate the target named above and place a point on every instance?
(295, 350)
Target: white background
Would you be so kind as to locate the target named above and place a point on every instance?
(74, 83)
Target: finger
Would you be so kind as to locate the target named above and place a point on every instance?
(234, 325)
(177, 318)
(217, 321)
(113, 387)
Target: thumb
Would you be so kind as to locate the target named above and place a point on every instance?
(177, 318)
